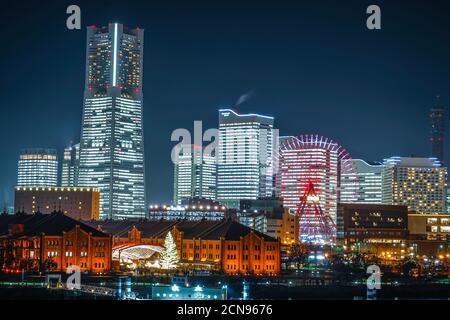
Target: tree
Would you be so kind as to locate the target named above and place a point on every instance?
(49, 265)
(409, 264)
(168, 258)
(298, 255)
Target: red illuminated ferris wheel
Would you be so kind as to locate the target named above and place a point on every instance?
(308, 180)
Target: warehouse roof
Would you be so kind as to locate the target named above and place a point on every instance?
(22, 224)
(200, 229)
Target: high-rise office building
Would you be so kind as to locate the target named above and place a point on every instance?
(245, 157)
(38, 167)
(419, 183)
(194, 174)
(112, 146)
(70, 166)
(437, 122)
(362, 184)
(447, 197)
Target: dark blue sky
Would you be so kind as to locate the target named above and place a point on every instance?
(313, 65)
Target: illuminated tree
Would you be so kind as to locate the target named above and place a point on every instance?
(168, 258)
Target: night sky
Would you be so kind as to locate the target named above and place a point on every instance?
(313, 65)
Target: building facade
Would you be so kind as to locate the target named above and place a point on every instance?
(267, 215)
(419, 183)
(261, 204)
(216, 246)
(429, 234)
(112, 140)
(77, 202)
(448, 197)
(363, 183)
(203, 209)
(70, 166)
(245, 157)
(279, 224)
(52, 243)
(38, 167)
(195, 174)
(377, 229)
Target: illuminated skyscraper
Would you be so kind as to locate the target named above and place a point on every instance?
(38, 167)
(418, 183)
(448, 197)
(362, 184)
(194, 175)
(245, 157)
(112, 146)
(437, 121)
(70, 166)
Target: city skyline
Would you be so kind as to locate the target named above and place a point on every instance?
(338, 115)
(248, 153)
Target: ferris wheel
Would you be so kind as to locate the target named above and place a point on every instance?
(308, 180)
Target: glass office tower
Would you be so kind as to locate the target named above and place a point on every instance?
(363, 183)
(112, 146)
(194, 174)
(245, 157)
(70, 166)
(38, 167)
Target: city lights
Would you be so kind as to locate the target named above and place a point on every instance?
(112, 189)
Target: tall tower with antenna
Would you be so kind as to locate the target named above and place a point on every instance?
(112, 132)
(437, 130)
